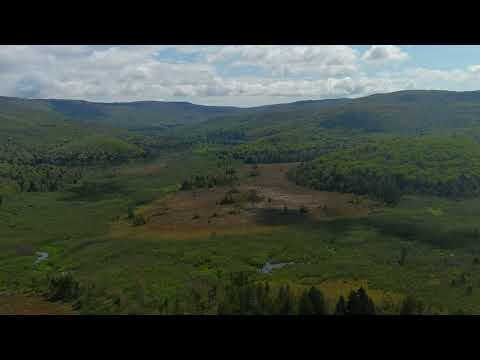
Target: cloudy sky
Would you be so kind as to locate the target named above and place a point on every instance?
(232, 75)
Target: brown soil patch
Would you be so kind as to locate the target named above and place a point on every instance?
(272, 183)
(30, 305)
(201, 211)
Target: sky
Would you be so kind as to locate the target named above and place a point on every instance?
(237, 75)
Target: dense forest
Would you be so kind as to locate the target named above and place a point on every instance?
(33, 168)
(442, 166)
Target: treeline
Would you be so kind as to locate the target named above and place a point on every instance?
(39, 168)
(381, 187)
(241, 294)
(39, 178)
(153, 143)
(293, 147)
(206, 181)
(245, 297)
(441, 166)
(275, 154)
(277, 150)
(225, 137)
(227, 175)
(95, 150)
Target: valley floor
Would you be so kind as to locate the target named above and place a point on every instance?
(339, 242)
(31, 305)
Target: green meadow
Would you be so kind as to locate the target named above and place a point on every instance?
(77, 178)
(135, 275)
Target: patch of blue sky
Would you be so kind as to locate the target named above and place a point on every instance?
(440, 57)
(228, 69)
(172, 55)
(444, 57)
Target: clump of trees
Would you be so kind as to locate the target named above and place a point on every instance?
(358, 303)
(280, 150)
(139, 220)
(41, 177)
(240, 294)
(225, 137)
(135, 219)
(411, 306)
(243, 296)
(208, 181)
(37, 168)
(62, 287)
(387, 169)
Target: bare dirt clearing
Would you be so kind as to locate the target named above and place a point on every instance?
(272, 183)
(29, 305)
(262, 201)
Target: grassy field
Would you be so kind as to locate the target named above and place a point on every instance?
(134, 269)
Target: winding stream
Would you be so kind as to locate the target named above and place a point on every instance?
(41, 256)
(268, 267)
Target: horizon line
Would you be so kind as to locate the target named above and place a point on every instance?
(236, 106)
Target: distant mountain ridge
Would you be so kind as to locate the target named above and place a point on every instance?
(402, 111)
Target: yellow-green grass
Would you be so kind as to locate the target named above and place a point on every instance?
(387, 301)
(125, 230)
(83, 237)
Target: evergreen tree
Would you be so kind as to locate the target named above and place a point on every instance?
(287, 305)
(305, 305)
(411, 306)
(359, 303)
(318, 301)
(341, 307)
(130, 212)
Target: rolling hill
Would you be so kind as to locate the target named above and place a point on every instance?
(403, 112)
(399, 112)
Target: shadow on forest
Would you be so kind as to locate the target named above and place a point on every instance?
(94, 191)
(271, 216)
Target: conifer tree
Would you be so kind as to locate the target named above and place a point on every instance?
(305, 305)
(318, 301)
(341, 307)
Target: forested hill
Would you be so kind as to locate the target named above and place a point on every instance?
(138, 115)
(446, 166)
(414, 111)
(403, 112)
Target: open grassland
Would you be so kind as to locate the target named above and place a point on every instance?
(30, 305)
(135, 268)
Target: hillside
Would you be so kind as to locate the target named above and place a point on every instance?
(162, 208)
(137, 115)
(403, 112)
(385, 169)
(399, 112)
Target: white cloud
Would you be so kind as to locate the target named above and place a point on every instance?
(384, 53)
(280, 73)
(454, 75)
(474, 68)
(282, 60)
